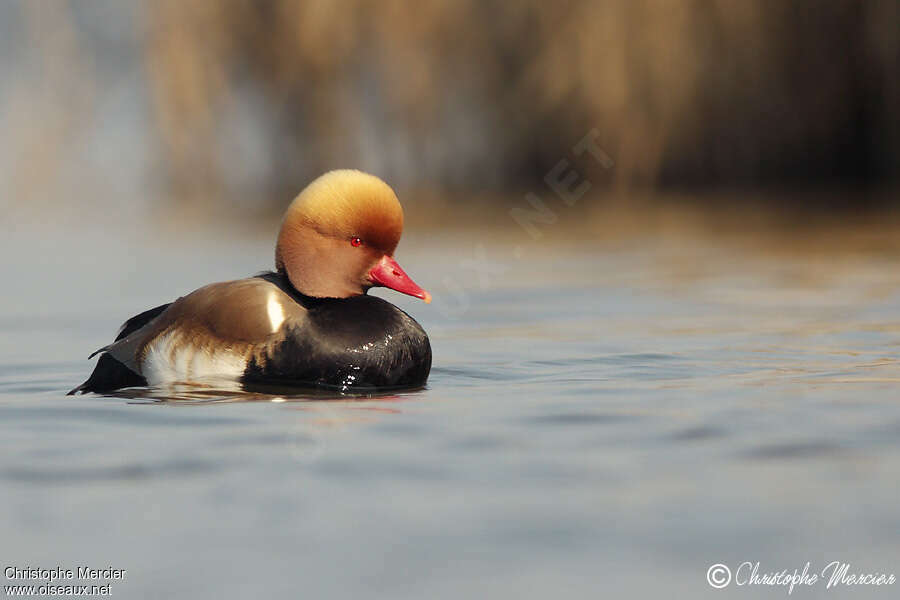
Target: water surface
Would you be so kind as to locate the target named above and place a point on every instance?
(599, 421)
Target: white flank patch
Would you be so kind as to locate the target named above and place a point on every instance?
(169, 360)
(276, 313)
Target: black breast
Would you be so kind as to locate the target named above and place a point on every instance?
(353, 344)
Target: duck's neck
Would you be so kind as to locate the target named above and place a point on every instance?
(281, 280)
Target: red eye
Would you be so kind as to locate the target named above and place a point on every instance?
(355, 242)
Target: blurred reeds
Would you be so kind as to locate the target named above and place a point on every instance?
(249, 100)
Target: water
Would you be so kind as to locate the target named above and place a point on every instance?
(600, 421)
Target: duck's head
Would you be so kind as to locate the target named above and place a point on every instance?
(338, 238)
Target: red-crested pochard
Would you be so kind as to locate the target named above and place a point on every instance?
(308, 323)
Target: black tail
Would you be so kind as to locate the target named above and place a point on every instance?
(110, 374)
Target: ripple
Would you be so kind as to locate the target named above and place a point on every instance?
(795, 450)
(119, 415)
(86, 475)
(698, 433)
(369, 470)
(483, 442)
(580, 418)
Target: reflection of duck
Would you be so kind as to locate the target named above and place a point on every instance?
(308, 323)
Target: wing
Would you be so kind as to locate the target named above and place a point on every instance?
(138, 321)
(212, 332)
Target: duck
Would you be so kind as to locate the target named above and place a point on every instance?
(308, 323)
